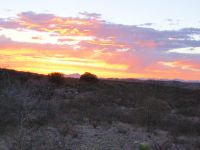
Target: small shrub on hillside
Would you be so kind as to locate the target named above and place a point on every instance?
(151, 112)
(189, 111)
(42, 113)
(56, 78)
(9, 111)
(12, 106)
(41, 89)
(144, 147)
(89, 77)
(182, 126)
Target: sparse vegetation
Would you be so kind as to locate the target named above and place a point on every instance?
(40, 107)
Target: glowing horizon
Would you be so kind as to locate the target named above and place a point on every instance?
(46, 42)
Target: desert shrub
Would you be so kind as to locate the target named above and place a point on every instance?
(40, 89)
(64, 129)
(144, 147)
(21, 140)
(89, 77)
(189, 111)
(102, 114)
(67, 129)
(182, 126)
(42, 113)
(56, 78)
(47, 138)
(12, 101)
(9, 111)
(151, 112)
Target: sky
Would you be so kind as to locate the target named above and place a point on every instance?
(111, 38)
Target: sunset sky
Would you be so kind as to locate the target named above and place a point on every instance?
(111, 38)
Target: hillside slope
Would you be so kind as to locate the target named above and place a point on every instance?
(36, 114)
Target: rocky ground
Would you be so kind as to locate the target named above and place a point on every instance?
(118, 136)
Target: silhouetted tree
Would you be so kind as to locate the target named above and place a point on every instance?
(89, 77)
(56, 77)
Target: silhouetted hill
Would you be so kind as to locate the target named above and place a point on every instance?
(170, 83)
(38, 114)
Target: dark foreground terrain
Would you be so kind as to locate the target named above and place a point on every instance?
(37, 113)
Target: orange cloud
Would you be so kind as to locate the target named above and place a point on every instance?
(54, 24)
(45, 43)
(182, 64)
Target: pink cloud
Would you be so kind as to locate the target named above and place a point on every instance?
(139, 49)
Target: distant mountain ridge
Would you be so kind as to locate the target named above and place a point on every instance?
(171, 83)
(74, 75)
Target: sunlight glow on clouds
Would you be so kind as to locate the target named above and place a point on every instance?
(31, 36)
(45, 43)
(184, 65)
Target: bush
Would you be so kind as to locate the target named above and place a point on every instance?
(9, 110)
(89, 77)
(42, 114)
(182, 126)
(151, 112)
(144, 147)
(56, 78)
